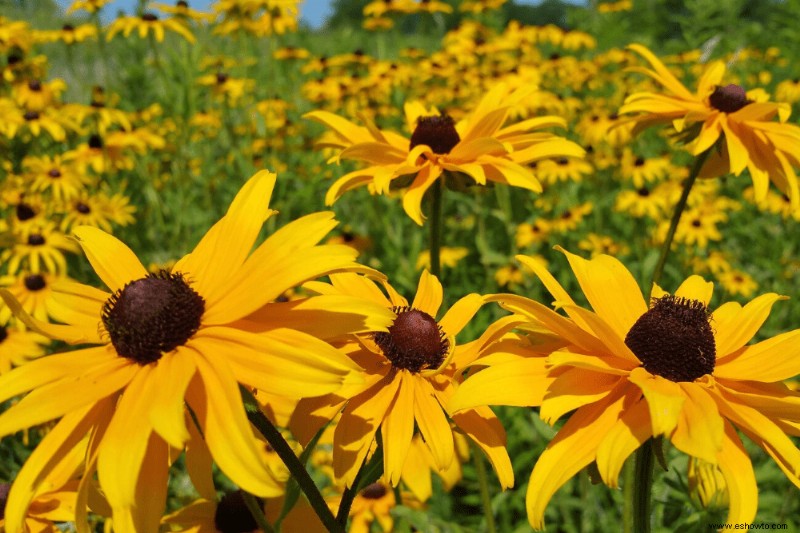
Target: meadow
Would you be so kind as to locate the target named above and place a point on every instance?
(152, 127)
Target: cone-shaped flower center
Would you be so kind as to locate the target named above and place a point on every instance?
(414, 341)
(674, 340)
(233, 516)
(82, 208)
(152, 315)
(34, 282)
(25, 212)
(438, 132)
(3, 333)
(149, 17)
(35, 85)
(34, 239)
(376, 491)
(95, 141)
(54, 173)
(728, 99)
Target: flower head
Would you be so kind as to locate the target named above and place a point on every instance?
(479, 146)
(171, 339)
(726, 116)
(632, 371)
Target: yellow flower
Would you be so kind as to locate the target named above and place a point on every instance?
(726, 116)
(630, 372)
(450, 256)
(478, 146)
(146, 24)
(738, 282)
(172, 339)
(410, 372)
(18, 347)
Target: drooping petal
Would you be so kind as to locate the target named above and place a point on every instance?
(573, 389)
(736, 468)
(664, 398)
(629, 432)
(398, 428)
(615, 344)
(412, 199)
(486, 430)
(111, 259)
(699, 432)
(433, 424)
(520, 383)
(214, 396)
(171, 376)
(574, 447)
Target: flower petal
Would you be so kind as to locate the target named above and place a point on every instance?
(734, 325)
(664, 398)
(429, 294)
(782, 353)
(736, 468)
(111, 259)
(398, 428)
(171, 376)
(412, 199)
(573, 389)
(433, 424)
(521, 383)
(486, 430)
(460, 313)
(696, 288)
(699, 432)
(629, 432)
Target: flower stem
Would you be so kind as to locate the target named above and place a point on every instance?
(676, 217)
(483, 482)
(296, 468)
(258, 513)
(366, 475)
(436, 227)
(642, 487)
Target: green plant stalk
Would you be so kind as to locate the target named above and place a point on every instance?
(367, 474)
(437, 220)
(676, 217)
(258, 514)
(296, 468)
(638, 476)
(483, 483)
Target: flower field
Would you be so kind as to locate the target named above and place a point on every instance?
(440, 267)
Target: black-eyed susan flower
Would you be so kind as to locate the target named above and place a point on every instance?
(39, 249)
(149, 23)
(727, 116)
(631, 371)
(61, 178)
(170, 339)
(479, 146)
(448, 255)
(410, 372)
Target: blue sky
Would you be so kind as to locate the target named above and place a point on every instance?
(313, 11)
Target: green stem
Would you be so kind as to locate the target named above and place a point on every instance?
(296, 468)
(483, 483)
(258, 513)
(638, 476)
(676, 217)
(366, 475)
(436, 227)
(642, 487)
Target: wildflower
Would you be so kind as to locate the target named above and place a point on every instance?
(449, 257)
(478, 146)
(18, 347)
(630, 372)
(171, 339)
(410, 372)
(726, 116)
(146, 24)
(737, 282)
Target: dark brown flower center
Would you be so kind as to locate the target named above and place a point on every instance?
(643, 192)
(414, 342)
(3, 333)
(35, 85)
(221, 78)
(233, 516)
(376, 491)
(34, 282)
(34, 239)
(25, 212)
(729, 99)
(149, 17)
(152, 315)
(438, 132)
(674, 339)
(95, 141)
(54, 173)
(82, 208)
(68, 27)
(31, 115)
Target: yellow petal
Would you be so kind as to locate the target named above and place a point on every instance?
(695, 288)
(429, 294)
(574, 447)
(171, 376)
(520, 383)
(664, 398)
(433, 423)
(460, 313)
(199, 463)
(663, 75)
(486, 430)
(412, 199)
(573, 389)
(615, 345)
(734, 326)
(782, 353)
(611, 290)
(214, 397)
(227, 244)
(71, 334)
(629, 432)
(605, 365)
(736, 468)
(700, 426)
(111, 259)
(398, 428)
